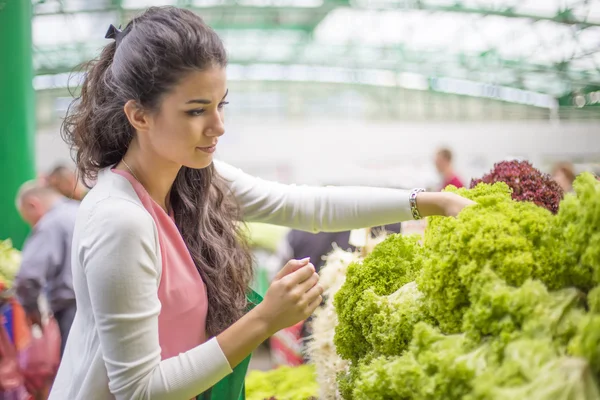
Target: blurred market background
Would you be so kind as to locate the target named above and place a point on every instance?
(330, 92)
(336, 91)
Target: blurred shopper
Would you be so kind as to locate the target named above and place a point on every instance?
(46, 255)
(65, 181)
(443, 164)
(564, 174)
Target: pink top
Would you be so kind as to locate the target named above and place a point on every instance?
(182, 293)
(453, 181)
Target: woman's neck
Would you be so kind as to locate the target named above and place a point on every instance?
(156, 175)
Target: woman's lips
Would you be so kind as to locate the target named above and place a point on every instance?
(209, 150)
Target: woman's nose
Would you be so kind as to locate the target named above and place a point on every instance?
(217, 127)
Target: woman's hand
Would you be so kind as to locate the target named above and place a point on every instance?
(455, 204)
(441, 203)
(292, 297)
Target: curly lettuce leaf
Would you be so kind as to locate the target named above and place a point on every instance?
(392, 264)
(392, 318)
(497, 233)
(586, 344)
(290, 383)
(437, 366)
(578, 228)
(506, 313)
(562, 378)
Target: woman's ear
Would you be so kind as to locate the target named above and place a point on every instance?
(137, 116)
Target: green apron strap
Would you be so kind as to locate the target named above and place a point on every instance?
(233, 387)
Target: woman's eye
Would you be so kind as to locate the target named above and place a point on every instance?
(197, 113)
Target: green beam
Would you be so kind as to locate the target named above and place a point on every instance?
(63, 58)
(17, 113)
(564, 16)
(231, 16)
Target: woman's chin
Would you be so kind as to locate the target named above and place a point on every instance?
(202, 163)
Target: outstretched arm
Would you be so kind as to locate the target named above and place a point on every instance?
(329, 209)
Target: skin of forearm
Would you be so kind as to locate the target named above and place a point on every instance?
(243, 337)
(433, 203)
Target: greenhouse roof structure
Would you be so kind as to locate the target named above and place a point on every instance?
(534, 52)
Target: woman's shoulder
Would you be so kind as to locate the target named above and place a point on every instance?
(115, 230)
(119, 212)
(113, 205)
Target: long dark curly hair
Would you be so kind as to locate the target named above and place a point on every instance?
(157, 49)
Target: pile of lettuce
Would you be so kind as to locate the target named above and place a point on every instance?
(283, 383)
(10, 262)
(502, 302)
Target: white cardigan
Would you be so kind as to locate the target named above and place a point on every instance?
(113, 350)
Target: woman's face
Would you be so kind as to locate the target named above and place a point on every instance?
(186, 128)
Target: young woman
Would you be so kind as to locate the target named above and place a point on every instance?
(160, 271)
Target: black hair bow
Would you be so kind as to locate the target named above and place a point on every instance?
(115, 33)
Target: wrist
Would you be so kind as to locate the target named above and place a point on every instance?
(261, 321)
(429, 204)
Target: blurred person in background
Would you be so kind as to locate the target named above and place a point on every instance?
(564, 174)
(65, 181)
(46, 255)
(443, 164)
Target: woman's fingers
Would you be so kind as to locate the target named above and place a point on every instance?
(296, 278)
(312, 306)
(313, 294)
(291, 267)
(309, 283)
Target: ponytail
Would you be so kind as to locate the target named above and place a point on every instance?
(95, 120)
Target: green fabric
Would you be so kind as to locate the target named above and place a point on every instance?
(261, 283)
(233, 387)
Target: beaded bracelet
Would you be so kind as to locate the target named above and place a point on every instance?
(413, 203)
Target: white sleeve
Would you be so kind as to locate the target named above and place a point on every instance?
(315, 209)
(118, 252)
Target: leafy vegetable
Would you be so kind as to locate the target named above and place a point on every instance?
(283, 383)
(498, 233)
(578, 227)
(508, 313)
(392, 264)
(436, 366)
(502, 302)
(393, 318)
(526, 182)
(320, 349)
(587, 342)
(559, 379)
(10, 262)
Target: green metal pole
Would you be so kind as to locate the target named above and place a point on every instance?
(17, 113)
